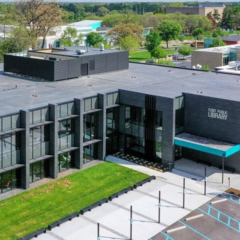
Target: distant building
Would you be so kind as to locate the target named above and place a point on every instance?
(217, 56)
(232, 39)
(202, 9)
(83, 27)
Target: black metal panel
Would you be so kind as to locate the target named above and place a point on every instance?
(92, 65)
(150, 108)
(101, 63)
(37, 68)
(84, 69)
(87, 59)
(112, 62)
(11, 63)
(74, 68)
(123, 60)
(60, 70)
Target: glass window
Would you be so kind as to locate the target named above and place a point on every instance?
(179, 118)
(90, 153)
(71, 108)
(45, 114)
(94, 103)
(115, 98)
(8, 181)
(90, 104)
(87, 104)
(65, 161)
(37, 116)
(37, 171)
(109, 99)
(63, 110)
(90, 127)
(112, 99)
(6, 123)
(9, 149)
(15, 121)
(66, 134)
(39, 141)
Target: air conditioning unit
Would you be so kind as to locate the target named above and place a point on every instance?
(80, 51)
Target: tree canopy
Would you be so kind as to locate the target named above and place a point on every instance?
(123, 30)
(129, 43)
(94, 38)
(185, 50)
(152, 40)
(158, 52)
(169, 30)
(70, 37)
(37, 18)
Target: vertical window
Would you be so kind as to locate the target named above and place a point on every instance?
(112, 98)
(65, 161)
(90, 153)
(37, 171)
(90, 104)
(39, 141)
(39, 115)
(90, 126)
(66, 134)
(9, 149)
(8, 181)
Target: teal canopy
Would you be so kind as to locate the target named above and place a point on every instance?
(206, 145)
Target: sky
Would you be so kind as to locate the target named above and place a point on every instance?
(112, 1)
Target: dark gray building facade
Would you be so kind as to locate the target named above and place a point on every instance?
(138, 111)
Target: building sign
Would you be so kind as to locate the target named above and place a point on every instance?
(218, 114)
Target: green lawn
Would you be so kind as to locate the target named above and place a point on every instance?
(36, 208)
(144, 55)
(139, 56)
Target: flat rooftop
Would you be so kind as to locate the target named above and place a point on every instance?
(71, 51)
(222, 49)
(17, 92)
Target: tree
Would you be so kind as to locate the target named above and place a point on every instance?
(94, 38)
(102, 11)
(169, 30)
(158, 53)
(216, 15)
(152, 40)
(129, 43)
(228, 18)
(197, 33)
(37, 18)
(181, 38)
(217, 42)
(123, 30)
(70, 37)
(176, 4)
(185, 50)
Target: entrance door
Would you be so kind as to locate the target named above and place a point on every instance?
(178, 152)
(84, 69)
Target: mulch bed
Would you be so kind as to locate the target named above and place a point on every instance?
(233, 191)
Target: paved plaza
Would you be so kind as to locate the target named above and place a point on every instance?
(114, 216)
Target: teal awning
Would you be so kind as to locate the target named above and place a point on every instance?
(206, 145)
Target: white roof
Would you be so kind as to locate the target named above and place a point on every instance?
(84, 23)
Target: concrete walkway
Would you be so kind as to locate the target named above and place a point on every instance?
(114, 216)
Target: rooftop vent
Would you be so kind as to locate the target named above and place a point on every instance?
(101, 47)
(80, 52)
